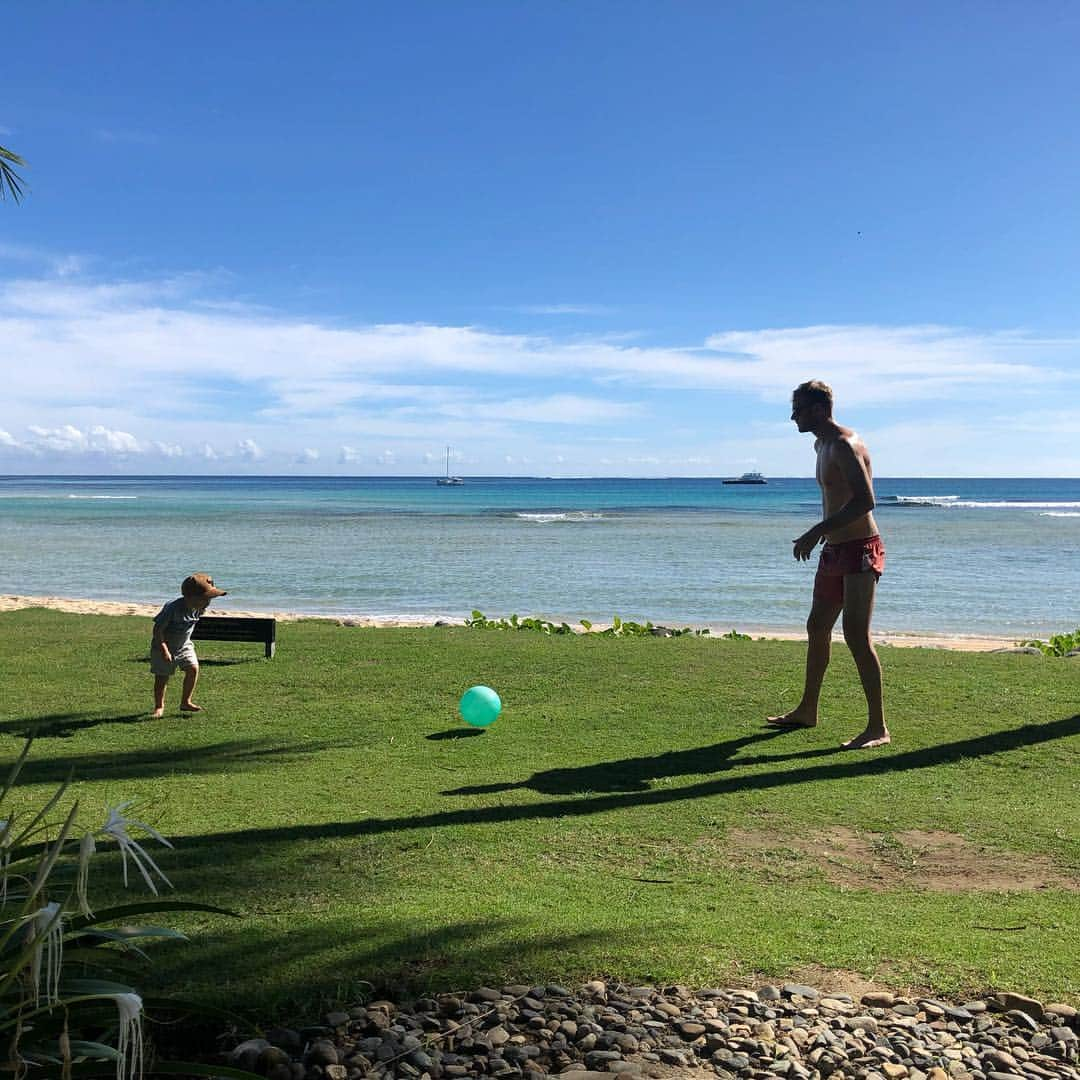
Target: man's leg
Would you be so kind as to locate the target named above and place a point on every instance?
(822, 619)
(191, 677)
(160, 682)
(859, 592)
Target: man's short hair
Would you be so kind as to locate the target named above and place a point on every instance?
(814, 392)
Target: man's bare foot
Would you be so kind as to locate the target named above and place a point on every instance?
(797, 718)
(867, 740)
(157, 714)
(190, 706)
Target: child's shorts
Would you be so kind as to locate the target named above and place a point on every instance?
(184, 659)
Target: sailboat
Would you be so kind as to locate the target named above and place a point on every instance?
(448, 480)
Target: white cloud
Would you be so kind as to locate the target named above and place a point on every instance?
(244, 377)
(565, 309)
(145, 328)
(62, 265)
(553, 409)
(884, 365)
(68, 439)
(248, 450)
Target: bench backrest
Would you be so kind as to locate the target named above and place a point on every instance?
(237, 628)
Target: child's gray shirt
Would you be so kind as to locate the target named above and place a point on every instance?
(176, 621)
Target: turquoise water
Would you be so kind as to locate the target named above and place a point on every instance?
(964, 556)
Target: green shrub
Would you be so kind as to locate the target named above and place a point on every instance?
(1058, 645)
(618, 628)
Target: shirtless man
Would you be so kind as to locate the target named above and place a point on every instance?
(851, 563)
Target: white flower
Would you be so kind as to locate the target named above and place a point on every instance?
(116, 826)
(47, 927)
(87, 847)
(130, 1042)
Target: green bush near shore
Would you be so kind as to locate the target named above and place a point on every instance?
(628, 815)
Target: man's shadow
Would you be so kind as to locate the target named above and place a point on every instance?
(638, 774)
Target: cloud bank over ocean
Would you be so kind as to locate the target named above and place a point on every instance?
(173, 374)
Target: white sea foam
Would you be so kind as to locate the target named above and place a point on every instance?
(1060, 513)
(925, 500)
(954, 502)
(559, 515)
(1021, 505)
(110, 497)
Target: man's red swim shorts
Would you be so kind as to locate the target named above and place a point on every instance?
(850, 557)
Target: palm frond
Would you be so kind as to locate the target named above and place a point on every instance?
(10, 180)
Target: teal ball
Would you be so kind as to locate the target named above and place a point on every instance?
(480, 706)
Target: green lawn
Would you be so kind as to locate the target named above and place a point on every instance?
(330, 797)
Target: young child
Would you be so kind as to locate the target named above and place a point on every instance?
(171, 646)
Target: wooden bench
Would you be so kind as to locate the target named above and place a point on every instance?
(233, 628)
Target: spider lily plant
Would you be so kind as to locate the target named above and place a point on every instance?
(67, 1006)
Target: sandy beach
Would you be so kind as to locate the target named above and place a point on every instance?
(76, 606)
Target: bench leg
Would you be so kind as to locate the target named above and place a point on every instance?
(270, 647)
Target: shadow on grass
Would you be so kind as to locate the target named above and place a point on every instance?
(231, 756)
(394, 959)
(866, 764)
(454, 733)
(637, 774)
(205, 661)
(64, 725)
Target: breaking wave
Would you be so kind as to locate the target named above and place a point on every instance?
(954, 502)
(551, 517)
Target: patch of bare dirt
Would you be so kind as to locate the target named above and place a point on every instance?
(840, 981)
(938, 861)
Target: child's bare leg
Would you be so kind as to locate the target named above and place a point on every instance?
(823, 616)
(191, 677)
(160, 682)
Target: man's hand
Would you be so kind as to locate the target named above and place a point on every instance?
(805, 544)
(165, 653)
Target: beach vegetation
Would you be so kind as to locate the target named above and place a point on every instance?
(1058, 645)
(617, 628)
(627, 815)
(67, 973)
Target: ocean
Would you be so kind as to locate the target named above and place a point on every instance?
(969, 557)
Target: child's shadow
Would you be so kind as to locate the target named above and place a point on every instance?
(637, 774)
(203, 661)
(64, 725)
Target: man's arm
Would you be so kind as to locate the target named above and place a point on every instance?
(859, 505)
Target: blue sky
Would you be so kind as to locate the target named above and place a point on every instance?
(565, 239)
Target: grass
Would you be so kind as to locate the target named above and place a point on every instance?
(332, 796)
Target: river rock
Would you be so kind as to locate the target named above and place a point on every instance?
(532, 1033)
(1009, 1001)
